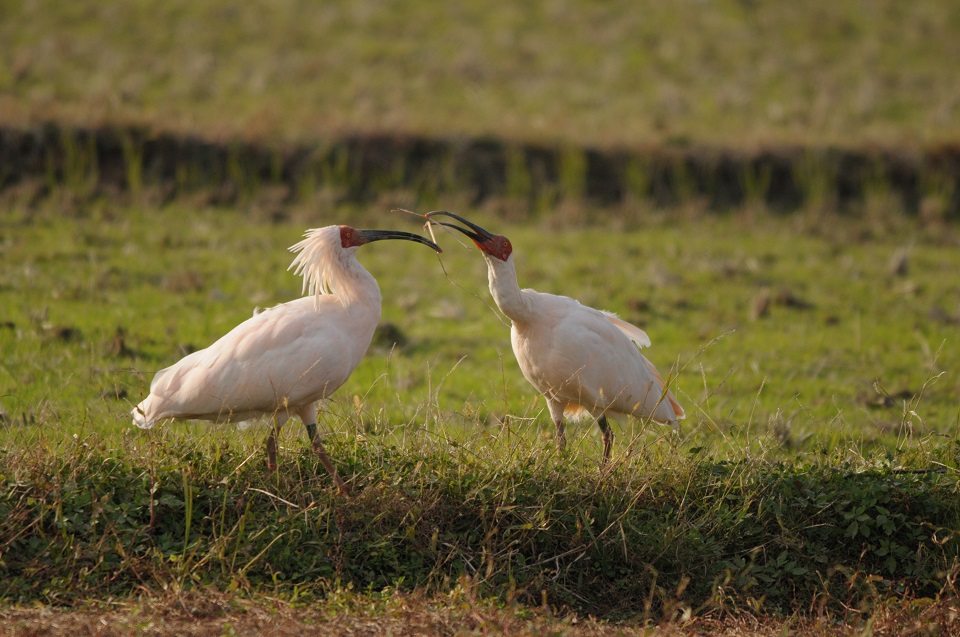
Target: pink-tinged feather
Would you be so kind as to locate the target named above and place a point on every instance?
(284, 360)
(579, 358)
(633, 332)
(677, 409)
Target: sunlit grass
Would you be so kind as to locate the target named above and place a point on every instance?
(777, 334)
(814, 353)
(813, 356)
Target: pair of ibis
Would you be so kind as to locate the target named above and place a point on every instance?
(283, 361)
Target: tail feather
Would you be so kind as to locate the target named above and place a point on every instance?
(140, 418)
(575, 411)
(677, 409)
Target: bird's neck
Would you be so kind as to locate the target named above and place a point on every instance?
(355, 288)
(362, 289)
(506, 291)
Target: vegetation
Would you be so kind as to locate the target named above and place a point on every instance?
(653, 536)
(785, 335)
(817, 468)
(726, 72)
(769, 190)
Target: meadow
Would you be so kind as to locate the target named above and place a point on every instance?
(781, 220)
(621, 74)
(822, 330)
(816, 470)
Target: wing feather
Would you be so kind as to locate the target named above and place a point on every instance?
(633, 332)
(677, 409)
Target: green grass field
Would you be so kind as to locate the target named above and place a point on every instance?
(807, 351)
(812, 487)
(783, 336)
(623, 73)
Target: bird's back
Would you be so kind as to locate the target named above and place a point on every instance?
(585, 358)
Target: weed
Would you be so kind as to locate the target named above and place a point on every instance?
(652, 534)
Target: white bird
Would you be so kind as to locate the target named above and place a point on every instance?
(579, 358)
(284, 360)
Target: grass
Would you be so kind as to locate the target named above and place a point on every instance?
(784, 335)
(659, 536)
(814, 480)
(727, 73)
(816, 469)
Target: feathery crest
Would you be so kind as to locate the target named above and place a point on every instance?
(320, 262)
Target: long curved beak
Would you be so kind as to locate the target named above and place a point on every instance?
(380, 235)
(478, 234)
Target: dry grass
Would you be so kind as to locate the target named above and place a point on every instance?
(213, 613)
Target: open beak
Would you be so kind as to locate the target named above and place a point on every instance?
(478, 234)
(379, 235)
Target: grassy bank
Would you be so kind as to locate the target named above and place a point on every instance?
(659, 534)
(142, 165)
(155, 162)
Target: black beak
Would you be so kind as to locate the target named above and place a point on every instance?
(380, 235)
(478, 234)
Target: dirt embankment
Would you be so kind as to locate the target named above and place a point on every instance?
(361, 168)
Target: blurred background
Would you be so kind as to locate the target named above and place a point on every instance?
(724, 99)
(615, 74)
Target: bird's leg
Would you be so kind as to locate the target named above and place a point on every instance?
(325, 460)
(556, 413)
(607, 439)
(308, 414)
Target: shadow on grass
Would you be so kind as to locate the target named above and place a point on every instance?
(660, 535)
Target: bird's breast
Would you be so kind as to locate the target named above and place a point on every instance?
(538, 356)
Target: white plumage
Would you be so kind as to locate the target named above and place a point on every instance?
(284, 360)
(579, 358)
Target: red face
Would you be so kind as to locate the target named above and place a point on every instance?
(350, 237)
(496, 246)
